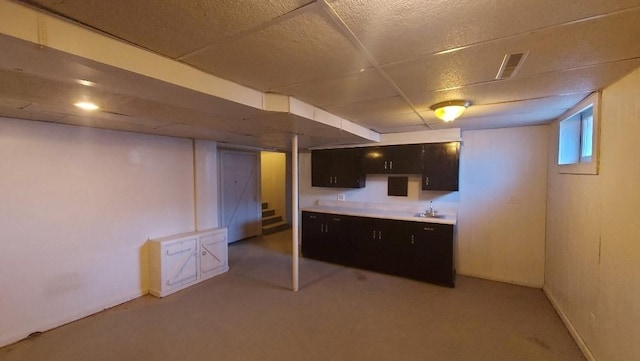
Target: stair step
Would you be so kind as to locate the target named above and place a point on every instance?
(265, 205)
(271, 220)
(268, 212)
(276, 227)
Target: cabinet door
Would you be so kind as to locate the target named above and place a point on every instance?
(313, 225)
(180, 262)
(327, 237)
(321, 166)
(441, 166)
(376, 245)
(338, 168)
(393, 159)
(347, 168)
(339, 244)
(433, 255)
(213, 254)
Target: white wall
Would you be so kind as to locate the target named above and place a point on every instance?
(501, 224)
(500, 205)
(78, 205)
(273, 181)
(593, 234)
(207, 214)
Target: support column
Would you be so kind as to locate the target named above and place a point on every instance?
(294, 210)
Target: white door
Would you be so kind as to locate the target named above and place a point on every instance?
(240, 208)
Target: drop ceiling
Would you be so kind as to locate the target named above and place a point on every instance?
(378, 64)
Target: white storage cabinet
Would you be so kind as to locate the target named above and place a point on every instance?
(182, 260)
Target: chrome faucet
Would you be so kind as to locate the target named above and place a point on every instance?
(431, 208)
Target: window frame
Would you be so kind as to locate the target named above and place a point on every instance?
(583, 166)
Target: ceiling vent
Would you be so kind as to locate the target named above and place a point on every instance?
(511, 64)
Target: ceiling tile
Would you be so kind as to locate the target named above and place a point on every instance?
(352, 88)
(531, 87)
(171, 27)
(304, 48)
(602, 40)
(396, 31)
(517, 113)
(598, 41)
(378, 114)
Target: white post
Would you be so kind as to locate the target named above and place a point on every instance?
(294, 209)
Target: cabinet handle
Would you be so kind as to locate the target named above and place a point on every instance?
(413, 238)
(336, 179)
(374, 235)
(390, 164)
(379, 234)
(426, 181)
(428, 229)
(385, 164)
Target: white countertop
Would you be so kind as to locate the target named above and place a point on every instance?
(381, 213)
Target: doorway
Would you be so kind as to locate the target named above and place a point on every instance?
(239, 194)
(276, 201)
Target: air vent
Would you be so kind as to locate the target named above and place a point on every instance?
(511, 64)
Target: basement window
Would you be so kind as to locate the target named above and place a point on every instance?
(577, 138)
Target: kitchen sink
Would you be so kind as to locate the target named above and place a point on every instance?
(429, 215)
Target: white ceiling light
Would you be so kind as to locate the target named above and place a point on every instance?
(450, 110)
(86, 105)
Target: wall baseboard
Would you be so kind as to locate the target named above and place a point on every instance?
(11, 339)
(572, 330)
(503, 280)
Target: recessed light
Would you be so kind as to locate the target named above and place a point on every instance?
(86, 82)
(87, 105)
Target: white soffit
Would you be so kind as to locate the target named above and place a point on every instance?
(414, 137)
(51, 32)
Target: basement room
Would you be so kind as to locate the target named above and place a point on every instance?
(319, 180)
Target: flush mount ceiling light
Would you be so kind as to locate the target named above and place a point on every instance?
(450, 110)
(86, 105)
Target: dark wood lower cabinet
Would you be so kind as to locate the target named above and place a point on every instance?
(416, 250)
(328, 238)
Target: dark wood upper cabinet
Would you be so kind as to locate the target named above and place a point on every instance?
(338, 168)
(441, 166)
(393, 159)
(438, 163)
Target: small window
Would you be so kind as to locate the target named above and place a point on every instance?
(577, 138)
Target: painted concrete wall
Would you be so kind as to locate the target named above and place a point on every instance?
(500, 205)
(272, 181)
(206, 184)
(593, 234)
(501, 228)
(77, 206)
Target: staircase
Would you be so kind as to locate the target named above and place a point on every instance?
(272, 223)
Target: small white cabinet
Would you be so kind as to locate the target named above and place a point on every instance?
(179, 261)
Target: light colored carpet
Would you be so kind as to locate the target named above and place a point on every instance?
(339, 313)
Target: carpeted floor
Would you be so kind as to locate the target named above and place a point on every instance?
(339, 313)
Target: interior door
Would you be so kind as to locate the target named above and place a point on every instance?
(240, 208)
